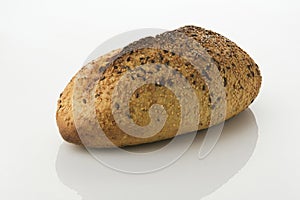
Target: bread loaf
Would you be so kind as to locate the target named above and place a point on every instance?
(104, 95)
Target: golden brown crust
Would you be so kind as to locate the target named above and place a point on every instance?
(65, 115)
(240, 77)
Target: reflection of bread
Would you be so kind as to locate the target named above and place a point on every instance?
(240, 77)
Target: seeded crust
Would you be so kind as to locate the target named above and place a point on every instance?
(64, 114)
(220, 59)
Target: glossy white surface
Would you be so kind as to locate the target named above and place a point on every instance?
(43, 43)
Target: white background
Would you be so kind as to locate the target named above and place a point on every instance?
(42, 45)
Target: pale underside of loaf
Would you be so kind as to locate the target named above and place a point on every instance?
(223, 62)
